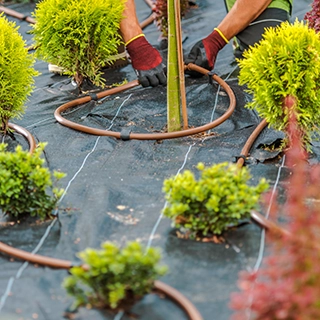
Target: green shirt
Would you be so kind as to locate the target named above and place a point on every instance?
(280, 4)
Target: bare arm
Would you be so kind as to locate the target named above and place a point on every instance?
(129, 26)
(241, 15)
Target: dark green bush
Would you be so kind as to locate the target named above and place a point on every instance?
(16, 76)
(25, 183)
(80, 36)
(220, 198)
(116, 278)
(285, 63)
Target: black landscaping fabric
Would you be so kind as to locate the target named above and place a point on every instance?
(114, 187)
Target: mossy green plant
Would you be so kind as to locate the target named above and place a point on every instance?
(221, 197)
(17, 72)
(114, 278)
(27, 187)
(81, 36)
(286, 63)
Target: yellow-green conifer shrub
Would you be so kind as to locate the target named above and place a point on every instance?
(78, 35)
(209, 205)
(285, 63)
(27, 187)
(114, 277)
(16, 73)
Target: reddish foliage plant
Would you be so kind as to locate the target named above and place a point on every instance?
(288, 284)
(313, 16)
(161, 10)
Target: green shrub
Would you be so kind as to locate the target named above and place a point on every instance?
(115, 278)
(16, 77)
(209, 205)
(78, 35)
(285, 63)
(25, 182)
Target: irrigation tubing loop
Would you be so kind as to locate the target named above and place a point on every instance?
(145, 136)
(170, 292)
(26, 134)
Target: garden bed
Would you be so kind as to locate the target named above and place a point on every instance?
(114, 187)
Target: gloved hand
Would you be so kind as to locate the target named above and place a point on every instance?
(147, 62)
(205, 51)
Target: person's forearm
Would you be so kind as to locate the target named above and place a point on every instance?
(241, 15)
(129, 26)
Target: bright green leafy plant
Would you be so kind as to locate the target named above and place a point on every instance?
(286, 63)
(81, 36)
(114, 278)
(209, 205)
(26, 183)
(16, 76)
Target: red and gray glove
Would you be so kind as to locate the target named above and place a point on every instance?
(147, 62)
(205, 51)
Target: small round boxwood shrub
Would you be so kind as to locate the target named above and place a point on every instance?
(285, 63)
(80, 36)
(26, 186)
(16, 75)
(114, 277)
(209, 205)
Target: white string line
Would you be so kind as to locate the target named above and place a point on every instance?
(94, 148)
(265, 20)
(184, 163)
(260, 257)
(44, 237)
(166, 203)
(34, 124)
(217, 95)
(119, 315)
(73, 110)
(48, 86)
(263, 236)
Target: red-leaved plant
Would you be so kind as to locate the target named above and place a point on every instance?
(313, 16)
(287, 287)
(161, 10)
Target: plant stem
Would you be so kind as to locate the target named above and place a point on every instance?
(173, 86)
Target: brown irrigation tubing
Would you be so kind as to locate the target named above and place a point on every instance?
(256, 216)
(150, 3)
(182, 86)
(25, 133)
(145, 136)
(148, 21)
(267, 224)
(16, 14)
(20, 16)
(35, 258)
(176, 296)
(159, 286)
(246, 148)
